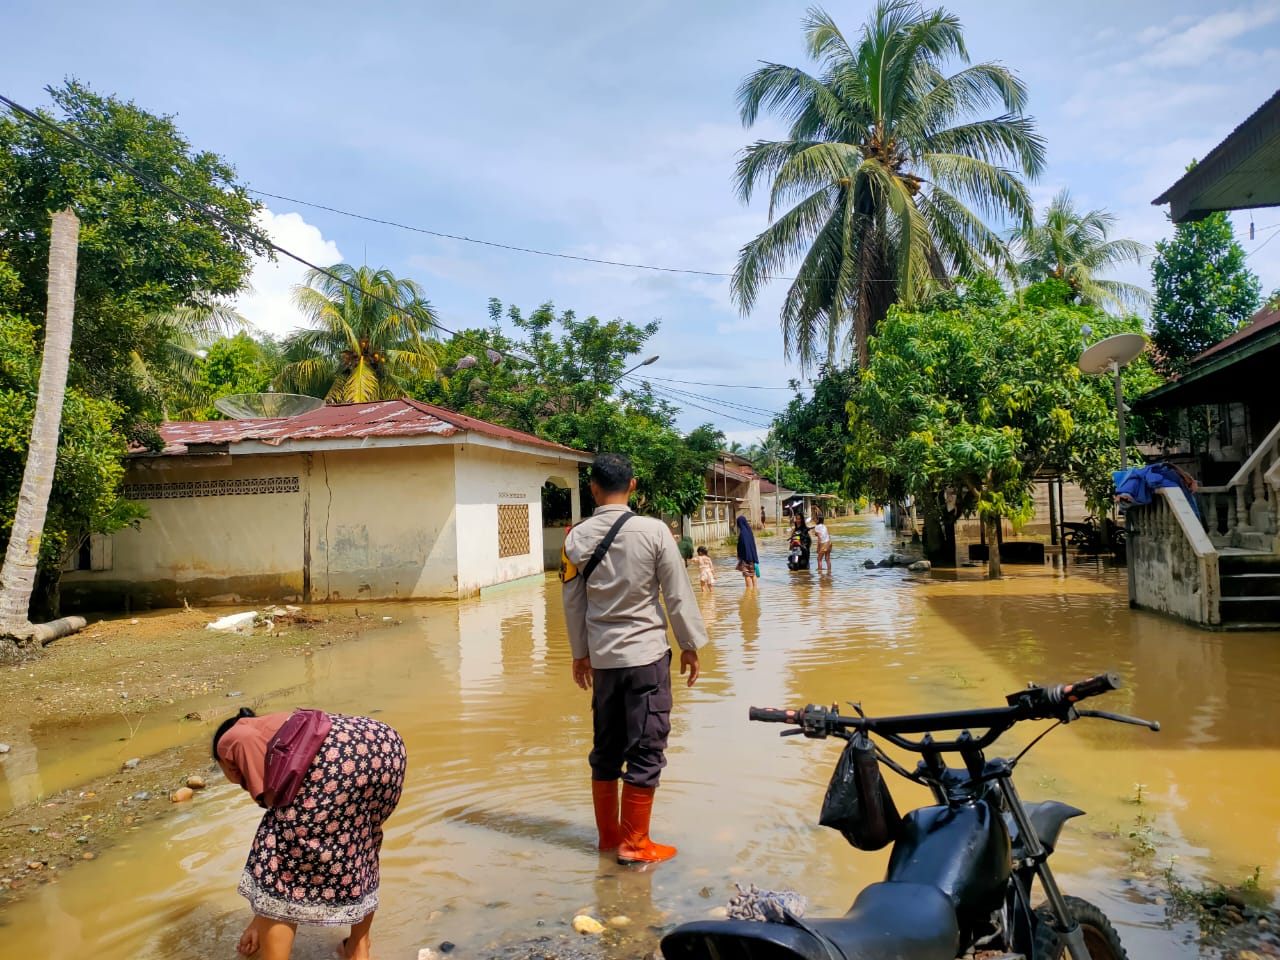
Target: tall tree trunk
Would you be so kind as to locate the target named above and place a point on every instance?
(939, 531)
(23, 557)
(992, 526)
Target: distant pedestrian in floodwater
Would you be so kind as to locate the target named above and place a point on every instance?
(706, 570)
(748, 556)
(824, 541)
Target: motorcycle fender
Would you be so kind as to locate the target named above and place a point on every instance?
(1048, 819)
(964, 851)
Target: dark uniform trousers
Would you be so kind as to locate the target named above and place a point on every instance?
(631, 718)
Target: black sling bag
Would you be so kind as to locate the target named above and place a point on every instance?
(603, 547)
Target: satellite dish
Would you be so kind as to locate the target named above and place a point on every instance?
(1115, 350)
(263, 406)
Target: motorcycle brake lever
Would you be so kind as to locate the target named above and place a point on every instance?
(793, 732)
(1152, 725)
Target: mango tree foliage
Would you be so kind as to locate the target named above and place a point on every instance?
(230, 365)
(813, 433)
(559, 378)
(964, 403)
(1204, 290)
(142, 254)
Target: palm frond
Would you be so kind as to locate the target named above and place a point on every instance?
(782, 242)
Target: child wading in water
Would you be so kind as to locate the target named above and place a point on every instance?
(706, 571)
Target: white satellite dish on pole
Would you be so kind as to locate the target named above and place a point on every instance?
(1118, 350)
(1108, 356)
(264, 406)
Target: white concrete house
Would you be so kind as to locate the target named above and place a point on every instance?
(394, 499)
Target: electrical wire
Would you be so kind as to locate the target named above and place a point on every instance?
(212, 214)
(664, 394)
(730, 386)
(1261, 245)
(727, 404)
(147, 181)
(494, 243)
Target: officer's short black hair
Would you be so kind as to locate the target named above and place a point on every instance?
(611, 472)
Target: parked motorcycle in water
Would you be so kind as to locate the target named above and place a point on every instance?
(961, 871)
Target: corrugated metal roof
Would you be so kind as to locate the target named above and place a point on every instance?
(1260, 321)
(346, 421)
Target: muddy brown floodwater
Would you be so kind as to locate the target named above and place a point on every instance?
(491, 844)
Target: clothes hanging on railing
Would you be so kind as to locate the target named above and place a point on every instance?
(1137, 487)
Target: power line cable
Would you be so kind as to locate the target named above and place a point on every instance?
(23, 113)
(147, 181)
(494, 243)
(730, 386)
(728, 404)
(662, 393)
(382, 221)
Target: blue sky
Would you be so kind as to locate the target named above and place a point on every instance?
(610, 131)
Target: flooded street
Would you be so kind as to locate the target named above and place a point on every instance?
(492, 842)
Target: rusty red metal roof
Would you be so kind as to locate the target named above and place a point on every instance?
(1268, 316)
(345, 421)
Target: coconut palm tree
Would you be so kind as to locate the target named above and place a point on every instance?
(22, 557)
(1073, 247)
(887, 170)
(371, 332)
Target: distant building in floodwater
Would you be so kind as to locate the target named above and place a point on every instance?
(394, 499)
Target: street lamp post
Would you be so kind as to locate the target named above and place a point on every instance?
(642, 363)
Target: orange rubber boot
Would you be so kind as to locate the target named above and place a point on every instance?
(636, 847)
(604, 795)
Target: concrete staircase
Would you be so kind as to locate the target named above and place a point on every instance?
(1250, 591)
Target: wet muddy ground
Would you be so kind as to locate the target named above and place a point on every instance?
(491, 847)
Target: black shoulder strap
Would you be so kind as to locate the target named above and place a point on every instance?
(603, 547)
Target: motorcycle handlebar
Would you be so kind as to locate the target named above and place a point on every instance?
(1032, 703)
(773, 715)
(1083, 689)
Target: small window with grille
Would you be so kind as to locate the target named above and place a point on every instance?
(513, 529)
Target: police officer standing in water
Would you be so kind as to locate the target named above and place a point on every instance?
(614, 566)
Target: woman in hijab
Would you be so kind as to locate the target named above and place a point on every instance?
(314, 861)
(748, 558)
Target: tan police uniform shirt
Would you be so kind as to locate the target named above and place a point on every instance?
(618, 617)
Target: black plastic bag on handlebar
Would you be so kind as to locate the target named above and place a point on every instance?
(858, 802)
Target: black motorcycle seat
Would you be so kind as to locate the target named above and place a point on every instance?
(888, 921)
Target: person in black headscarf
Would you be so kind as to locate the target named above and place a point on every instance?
(748, 557)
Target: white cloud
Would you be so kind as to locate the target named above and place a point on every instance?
(268, 305)
(1206, 38)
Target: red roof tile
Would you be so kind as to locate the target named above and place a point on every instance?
(341, 421)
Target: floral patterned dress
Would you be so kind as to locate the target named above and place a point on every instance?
(316, 860)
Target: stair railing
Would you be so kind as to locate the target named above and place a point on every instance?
(1173, 565)
(1247, 504)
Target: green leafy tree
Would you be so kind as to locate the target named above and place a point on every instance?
(230, 365)
(1203, 290)
(1074, 247)
(889, 166)
(371, 334)
(813, 431)
(143, 254)
(560, 378)
(86, 482)
(961, 407)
